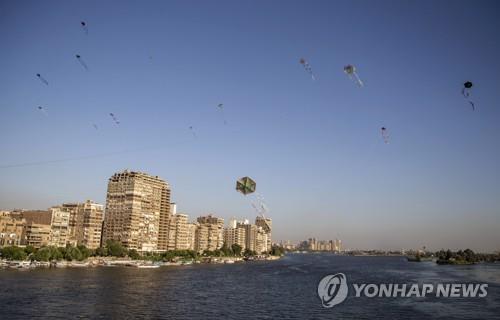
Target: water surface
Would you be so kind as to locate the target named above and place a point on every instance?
(283, 289)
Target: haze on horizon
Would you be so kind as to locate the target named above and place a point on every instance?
(313, 147)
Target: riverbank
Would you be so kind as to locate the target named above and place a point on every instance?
(93, 262)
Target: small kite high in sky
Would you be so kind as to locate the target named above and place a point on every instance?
(350, 70)
(192, 132)
(84, 27)
(42, 79)
(115, 119)
(307, 67)
(84, 65)
(95, 126)
(43, 110)
(466, 90)
(385, 134)
(220, 106)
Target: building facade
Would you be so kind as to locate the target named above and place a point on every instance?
(137, 211)
(85, 223)
(38, 227)
(266, 225)
(12, 229)
(59, 227)
(235, 234)
(209, 233)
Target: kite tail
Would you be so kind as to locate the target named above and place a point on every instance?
(358, 80)
(465, 93)
(473, 106)
(83, 64)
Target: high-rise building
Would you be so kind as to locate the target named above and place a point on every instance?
(191, 235)
(178, 232)
(171, 233)
(209, 235)
(59, 227)
(235, 234)
(266, 225)
(85, 223)
(137, 211)
(250, 236)
(201, 238)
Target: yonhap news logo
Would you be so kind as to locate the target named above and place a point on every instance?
(334, 289)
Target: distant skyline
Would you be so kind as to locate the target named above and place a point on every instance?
(314, 147)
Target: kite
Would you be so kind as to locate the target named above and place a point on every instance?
(115, 119)
(43, 110)
(350, 70)
(385, 134)
(307, 67)
(84, 27)
(84, 65)
(220, 106)
(192, 131)
(95, 126)
(248, 186)
(42, 79)
(466, 93)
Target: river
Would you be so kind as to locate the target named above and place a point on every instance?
(282, 289)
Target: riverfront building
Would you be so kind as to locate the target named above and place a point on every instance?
(12, 229)
(85, 223)
(209, 233)
(137, 211)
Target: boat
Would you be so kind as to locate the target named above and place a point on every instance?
(79, 264)
(147, 266)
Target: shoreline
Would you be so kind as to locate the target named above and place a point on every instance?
(95, 262)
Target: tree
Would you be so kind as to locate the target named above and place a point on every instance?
(84, 251)
(248, 253)
(29, 249)
(101, 252)
(236, 249)
(226, 250)
(56, 253)
(72, 253)
(133, 254)
(277, 251)
(43, 254)
(115, 249)
(13, 253)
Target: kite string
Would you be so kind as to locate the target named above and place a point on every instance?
(360, 83)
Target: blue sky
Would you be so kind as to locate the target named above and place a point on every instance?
(314, 147)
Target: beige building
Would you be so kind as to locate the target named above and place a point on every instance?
(37, 234)
(235, 234)
(38, 230)
(209, 234)
(181, 232)
(177, 230)
(191, 235)
(59, 227)
(266, 225)
(137, 211)
(250, 236)
(12, 229)
(85, 223)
